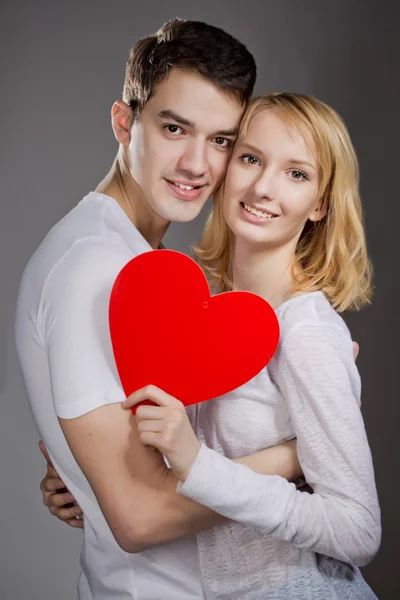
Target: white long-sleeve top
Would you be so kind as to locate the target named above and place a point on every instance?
(282, 543)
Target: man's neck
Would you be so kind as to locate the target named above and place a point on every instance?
(120, 185)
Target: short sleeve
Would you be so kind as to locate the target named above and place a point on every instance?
(73, 321)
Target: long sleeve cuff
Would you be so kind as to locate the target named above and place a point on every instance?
(235, 491)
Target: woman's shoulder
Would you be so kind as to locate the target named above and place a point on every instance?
(311, 311)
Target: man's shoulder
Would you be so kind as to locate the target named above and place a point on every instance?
(88, 267)
(86, 247)
(94, 254)
(95, 218)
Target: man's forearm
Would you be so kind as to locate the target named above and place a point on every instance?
(173, 516)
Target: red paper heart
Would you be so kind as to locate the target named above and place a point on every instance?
(167, 330)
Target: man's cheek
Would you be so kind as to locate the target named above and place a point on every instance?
(221, 170)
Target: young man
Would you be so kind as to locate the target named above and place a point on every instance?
(185, 90)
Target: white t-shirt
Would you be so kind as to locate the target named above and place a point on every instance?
(64, 346)
(278, 543)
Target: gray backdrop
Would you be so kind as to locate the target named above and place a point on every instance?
(62, 66)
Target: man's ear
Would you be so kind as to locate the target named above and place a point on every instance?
(121, 121)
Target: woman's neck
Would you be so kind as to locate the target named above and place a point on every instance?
(266, 272)
(120, 185)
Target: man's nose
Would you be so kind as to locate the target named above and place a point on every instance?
(193, 161)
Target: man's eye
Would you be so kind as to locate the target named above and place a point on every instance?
(174, 129)
(223, 142)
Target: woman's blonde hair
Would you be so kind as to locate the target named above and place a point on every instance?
(331, 254)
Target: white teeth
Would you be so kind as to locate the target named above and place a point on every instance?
(184, 187)
(257, 212)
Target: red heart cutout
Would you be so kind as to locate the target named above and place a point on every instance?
(167, 330)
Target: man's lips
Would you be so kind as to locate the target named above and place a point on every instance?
(185, 189)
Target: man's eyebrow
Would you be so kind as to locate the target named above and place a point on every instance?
(170, 114)
(228, 132)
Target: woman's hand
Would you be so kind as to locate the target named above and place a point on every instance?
(56, 496)
(166, 427)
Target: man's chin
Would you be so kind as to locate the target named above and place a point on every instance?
(181, 211)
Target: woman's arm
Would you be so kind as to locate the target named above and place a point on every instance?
(318, 378)
(279, 460)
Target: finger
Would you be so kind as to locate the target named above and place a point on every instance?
(150, 438)
(75, 523)
(153, 426)
(153, 393)
(49, 484)
(150, 412)
(50, 499)
(356, 350)
(61, 499)
(51, 472)
(64, 514)
(43, 450)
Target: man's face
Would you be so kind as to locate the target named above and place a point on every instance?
(181, 144)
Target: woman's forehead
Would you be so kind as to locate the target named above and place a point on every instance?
(270, 127)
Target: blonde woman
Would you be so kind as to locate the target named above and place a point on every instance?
(287, 226)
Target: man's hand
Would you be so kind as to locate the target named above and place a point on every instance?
(56, 496)
(166, 427)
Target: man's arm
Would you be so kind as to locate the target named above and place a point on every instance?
(278, 460)
(135, 489)
(131, 482)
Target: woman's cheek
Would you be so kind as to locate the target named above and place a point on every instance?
(239, 183)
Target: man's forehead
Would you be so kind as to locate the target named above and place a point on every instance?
(193, 101)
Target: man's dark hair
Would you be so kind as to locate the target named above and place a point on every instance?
(202, 48)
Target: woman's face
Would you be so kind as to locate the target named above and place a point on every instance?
(271, 187)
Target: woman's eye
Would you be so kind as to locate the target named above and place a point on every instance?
(174, 129)
(223, 142)
(298, 175)
(248, 159)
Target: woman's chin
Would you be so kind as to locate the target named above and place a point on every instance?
(249, 234)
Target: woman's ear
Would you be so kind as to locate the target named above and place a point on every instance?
(319, 212)
(121, 120)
